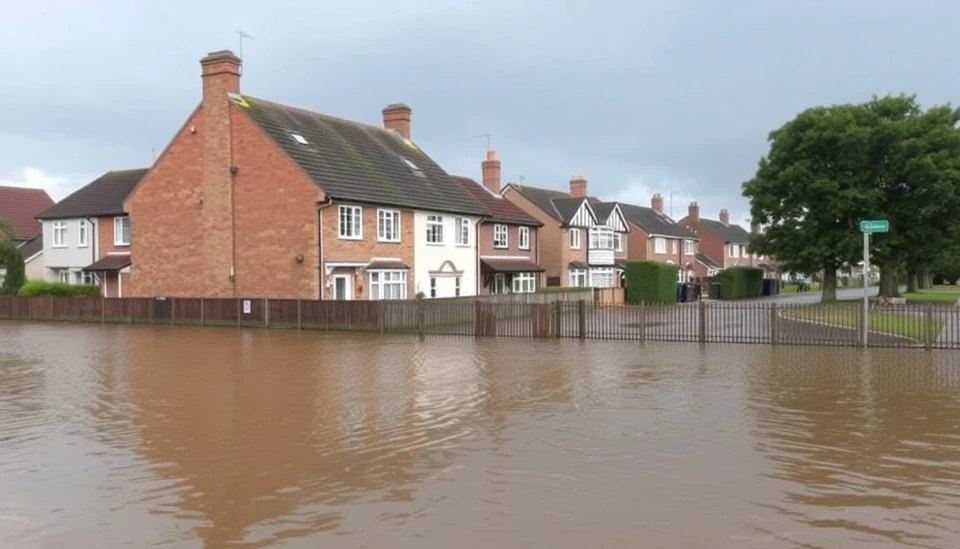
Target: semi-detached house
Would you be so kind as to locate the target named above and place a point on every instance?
(258, 199)
(583, 240)
(654, 236)
(86, 236)
(723, 244)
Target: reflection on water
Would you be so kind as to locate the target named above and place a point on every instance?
(149, 436)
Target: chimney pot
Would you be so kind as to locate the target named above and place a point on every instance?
(220, 72)
(396, 116)
(578, 186)
(724, 217)
(656, 203)
(693, 212)
(491, 172)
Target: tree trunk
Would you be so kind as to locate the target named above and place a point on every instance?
(828, 288)
(889, 287)
(926, 280)
(913, 282)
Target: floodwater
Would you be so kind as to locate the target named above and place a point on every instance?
(157, 436)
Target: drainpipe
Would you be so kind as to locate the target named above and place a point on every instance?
(93, 250)
(476, 246)
(321, 205)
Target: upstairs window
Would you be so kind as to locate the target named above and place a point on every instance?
(59, 234)
(689, 247)
(601, 238)
(83, 234)
(575, 239)
(121, 231)
(523, 238)
(501, 238)
(659, 245)
(388, 225)
(434, 229)
(463, 231)
(350, 222)
(618, 242)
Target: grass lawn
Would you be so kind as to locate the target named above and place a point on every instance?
(789, 288)
(847, 315)
(937, 294)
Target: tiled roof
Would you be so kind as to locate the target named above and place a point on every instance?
(110, 262)
(19, 206)
(510, 265)
(654, 223)
(351, 161)
(102, 196)
(730, 234)
(501, 209)
(544, 199)
(387, 265)
(707, 260)
(32, 247)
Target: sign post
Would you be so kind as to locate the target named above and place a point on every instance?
(868, 227)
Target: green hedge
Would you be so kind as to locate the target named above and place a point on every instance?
(740, 282)
(40, 287)
(650, 282)
(11, 261)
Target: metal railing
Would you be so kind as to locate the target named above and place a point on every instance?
(930, 326)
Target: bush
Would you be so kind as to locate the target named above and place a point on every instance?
(650, 282)
(11, 261)
(740, 282)
(40, 287)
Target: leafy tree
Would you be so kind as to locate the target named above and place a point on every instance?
(11, 260)
(7, 234)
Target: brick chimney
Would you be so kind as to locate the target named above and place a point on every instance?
(491, 172)
(578, 186)
(220, 71)
(693, 212)
(656, 202)
(724, 217)
(396, 116)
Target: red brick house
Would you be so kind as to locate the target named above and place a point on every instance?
(722, 244)
(656, 237)
(255, 198)
(583, 239)
(88, 234)
(19, 206)
(508, 241)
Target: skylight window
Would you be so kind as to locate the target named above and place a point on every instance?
(413, 167)
(299, 138)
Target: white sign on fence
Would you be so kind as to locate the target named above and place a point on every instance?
(246, 306)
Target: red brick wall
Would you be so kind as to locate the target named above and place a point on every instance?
(552, 240)
(335, 249)
(105, 240)
(486, 249)
(166, 223)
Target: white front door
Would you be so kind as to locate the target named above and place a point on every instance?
(343, 287)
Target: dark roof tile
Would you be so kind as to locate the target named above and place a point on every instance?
(102, 196)
(32, 247)
(731, 234)
(352, 161)
(510, 265)
(655, 223)
(707, 260)
(110, 262)
(501, 209)
(19, 206)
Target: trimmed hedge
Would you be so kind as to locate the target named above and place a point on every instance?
(650, 282)
(740, 282)
(39, 287)
(11, 261)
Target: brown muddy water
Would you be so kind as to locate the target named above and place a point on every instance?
(142, 436)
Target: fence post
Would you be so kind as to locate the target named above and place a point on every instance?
(862, 331)
(557, 319)
(299, 313)
(581, 319)
(239, 311)
(421, 318)
(203, 314)
(103, 310)
(702, 323)
(130, 302)
(266, 312)
(173, 311)
(643, 322)
(774, 324)
(928, 332)
(381, 316)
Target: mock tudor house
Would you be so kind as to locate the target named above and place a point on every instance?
(583, 239)
(656, 237)
(87, 234)
(19, 207)
(255, 198)
(508, 241)
(722, 244)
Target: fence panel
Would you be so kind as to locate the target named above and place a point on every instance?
(187, 310)
(283, 313)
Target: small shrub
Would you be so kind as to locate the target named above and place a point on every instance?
(650, 282)
(740, 282)
(11, 261)
(39, 287)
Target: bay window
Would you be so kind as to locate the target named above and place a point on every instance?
(601, 238)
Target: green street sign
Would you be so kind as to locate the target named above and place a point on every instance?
(874, 226)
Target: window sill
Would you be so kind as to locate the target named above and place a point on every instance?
(349, 237)
(501, 247)
(121, 245)
(382, 241)
(62, 246)
(463, 245)
(436, 244)
(83, 245)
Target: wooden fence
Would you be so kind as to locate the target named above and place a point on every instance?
(921, 326)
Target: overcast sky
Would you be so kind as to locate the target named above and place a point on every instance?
(675, 96)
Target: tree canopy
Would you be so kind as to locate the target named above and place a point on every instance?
(7, 234)
(833, 166)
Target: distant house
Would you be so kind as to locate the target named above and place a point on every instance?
(722, 244)
(32, 252)
(583, 239)
(86, 236)
(508, 241)
(261, 199)
(19, 207)
(656, 237)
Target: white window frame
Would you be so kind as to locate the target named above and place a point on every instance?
(524, 283)
(618, 242)
(83, 234)
(462, 234)
(574, 239)
(379, 283)
(674, 247)
(523, 238)
(59, 229)
(456, 287)
(434, 229)
(743, 251)
(118, 236)
(87, 278)
(433, 286)
(578, 278)
(688, 248)
(734, 251)
(388, 225)
(501, 236)
(601, 238)
(353, 228)
(499, 284)
(603, 277)
(659, 245)
(64, 276)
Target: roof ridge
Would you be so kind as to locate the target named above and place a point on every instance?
(363, 125)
